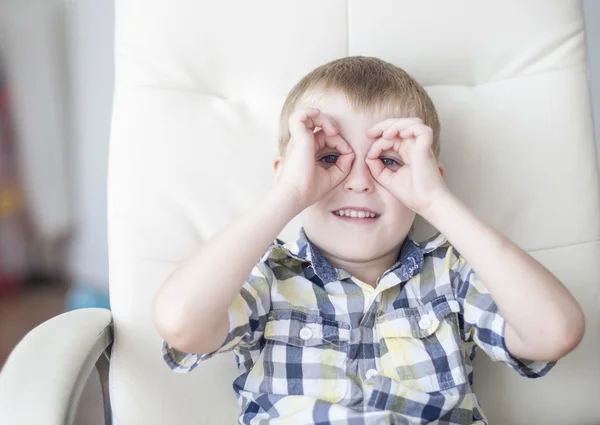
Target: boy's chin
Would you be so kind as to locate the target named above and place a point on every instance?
(355, 254)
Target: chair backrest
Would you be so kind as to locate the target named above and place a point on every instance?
(199, 87)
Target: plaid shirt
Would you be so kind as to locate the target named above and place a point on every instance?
(316, 345)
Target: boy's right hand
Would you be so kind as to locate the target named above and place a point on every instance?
(303, 174)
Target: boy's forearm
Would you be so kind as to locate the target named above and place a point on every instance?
(544, 321)
(193, 302)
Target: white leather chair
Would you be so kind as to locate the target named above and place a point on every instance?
(199, 86)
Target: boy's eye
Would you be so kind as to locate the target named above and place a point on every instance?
(329, 159)
(392, 163)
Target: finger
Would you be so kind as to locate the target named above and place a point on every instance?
(391, 133)
(382, 126)
(396, 128)
(302, 114)
(302, 118)
(335, 142)
(406, 147)
(341, 168)
(328, 124)
(416, 130)
(379, 146)
(374, 133)
(380, 172)
(422, 133)
(309, 116)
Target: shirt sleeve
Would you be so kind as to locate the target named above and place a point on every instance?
(247, 319)
(483, 323)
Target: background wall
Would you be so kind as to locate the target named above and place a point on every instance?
(592, 18)
(89, 26)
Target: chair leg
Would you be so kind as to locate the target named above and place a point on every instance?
(102, 366)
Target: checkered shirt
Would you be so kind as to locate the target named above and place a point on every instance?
(315, 345)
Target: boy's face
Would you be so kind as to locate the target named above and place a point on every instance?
(349, 239)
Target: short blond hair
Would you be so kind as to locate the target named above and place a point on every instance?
(369, 84)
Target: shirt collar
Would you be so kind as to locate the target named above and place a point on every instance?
(409, 264)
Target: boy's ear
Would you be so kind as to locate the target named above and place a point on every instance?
(277, 166)
(441, 168)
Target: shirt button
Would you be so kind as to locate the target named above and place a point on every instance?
(371, 373)
(306, 333)
(425, 322)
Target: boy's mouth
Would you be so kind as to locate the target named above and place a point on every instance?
(356, 214)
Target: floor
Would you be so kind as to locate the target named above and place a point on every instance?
(19, 313)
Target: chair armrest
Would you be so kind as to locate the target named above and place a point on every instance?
(43, 378)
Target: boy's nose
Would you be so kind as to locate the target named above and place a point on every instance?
(359, 179)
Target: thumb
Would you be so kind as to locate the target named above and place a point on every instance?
(380, 172)
(341, 168)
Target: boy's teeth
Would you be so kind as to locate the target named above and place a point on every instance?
(355, 214)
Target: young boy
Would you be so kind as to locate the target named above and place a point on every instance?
(355, 322)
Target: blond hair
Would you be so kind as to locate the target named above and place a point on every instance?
(369, 84)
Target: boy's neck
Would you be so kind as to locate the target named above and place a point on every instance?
(368, 271)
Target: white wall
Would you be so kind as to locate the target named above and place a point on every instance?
(592, 18)
(90, 63)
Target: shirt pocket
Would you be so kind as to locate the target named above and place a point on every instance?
(421, 346)
(305, 354)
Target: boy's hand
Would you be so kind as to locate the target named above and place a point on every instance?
(304, 174)
(415, 179)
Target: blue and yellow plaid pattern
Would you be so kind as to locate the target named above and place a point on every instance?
(317, 346)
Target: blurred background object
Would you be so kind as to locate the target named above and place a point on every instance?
(14, 258)
(56, 84)
(56, 87)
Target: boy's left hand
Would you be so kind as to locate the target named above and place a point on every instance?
(417, 182)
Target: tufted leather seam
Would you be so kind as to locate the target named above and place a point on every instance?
(595, 241)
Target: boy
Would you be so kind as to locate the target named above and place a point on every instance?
(355, 322)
